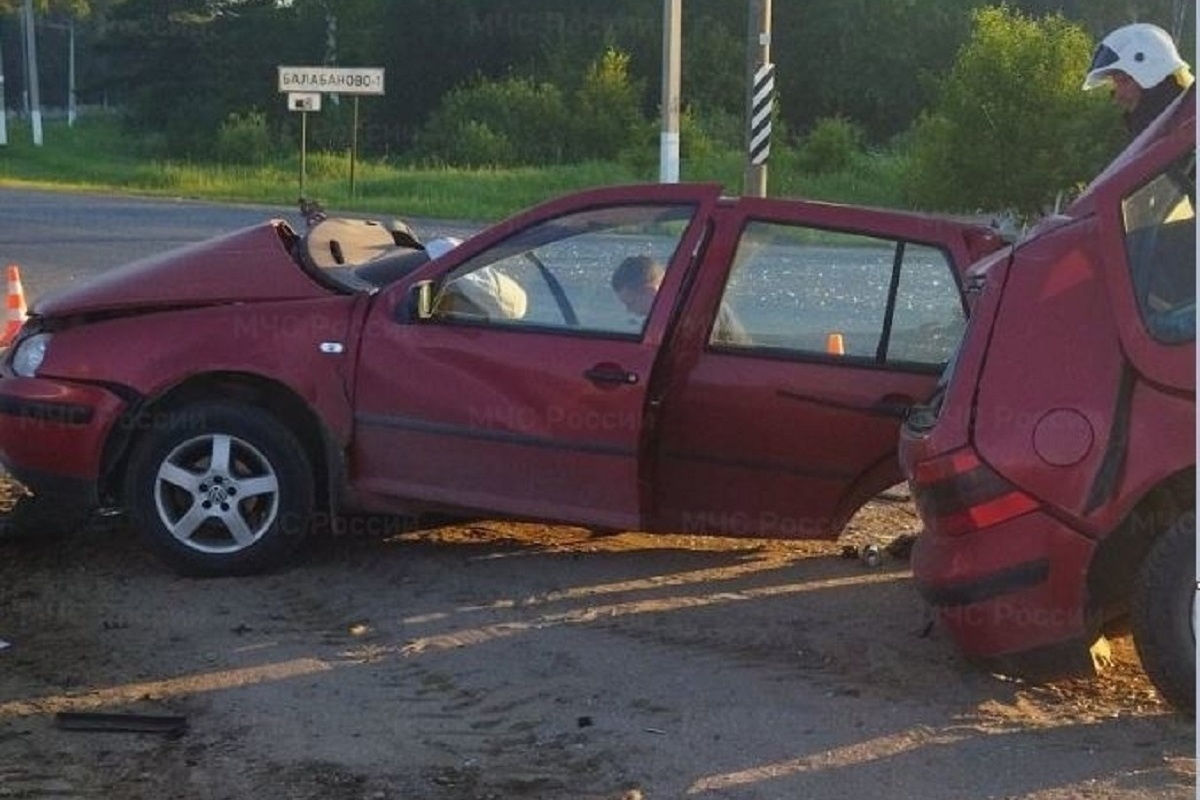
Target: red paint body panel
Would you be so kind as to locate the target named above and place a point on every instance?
(1050, 611)
(44, 439)
(1078, 365)
(278, 342)
(246, 266)
(776, 446)
(551, 446)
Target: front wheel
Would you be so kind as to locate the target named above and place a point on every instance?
(1164, 614)
(220, 489)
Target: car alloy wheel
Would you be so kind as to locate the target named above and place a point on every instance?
(217, 493)
(220, 489)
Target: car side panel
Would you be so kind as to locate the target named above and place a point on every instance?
(1058, 442)
(761, 447)
(306, 346)
(1051, 440)
(501, 421)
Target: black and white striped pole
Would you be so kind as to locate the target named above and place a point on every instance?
(760, 98)
(762, 103)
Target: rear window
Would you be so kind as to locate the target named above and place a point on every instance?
(1159, 222)
(824, 294)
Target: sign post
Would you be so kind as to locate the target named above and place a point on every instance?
(310, 81)
(353, 145)
(304, 102)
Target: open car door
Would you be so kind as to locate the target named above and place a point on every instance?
(522, 392)
(845, 317)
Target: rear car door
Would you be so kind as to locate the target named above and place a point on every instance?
(524, 392)
(842, 319)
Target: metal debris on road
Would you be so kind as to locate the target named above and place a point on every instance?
(170, 724)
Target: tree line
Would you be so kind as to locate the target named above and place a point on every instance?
(580, 77)
(183, 65)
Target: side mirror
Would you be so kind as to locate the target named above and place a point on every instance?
(418, 303)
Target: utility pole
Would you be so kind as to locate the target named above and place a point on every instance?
(760, 98)
(31, 74)
(668, 171)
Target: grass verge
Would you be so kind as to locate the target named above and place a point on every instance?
(96, 156)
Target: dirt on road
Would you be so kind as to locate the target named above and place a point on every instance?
(494, 660)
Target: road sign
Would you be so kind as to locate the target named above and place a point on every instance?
(333, 80)
(304, 101)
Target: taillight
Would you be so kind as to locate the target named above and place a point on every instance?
(957, 493)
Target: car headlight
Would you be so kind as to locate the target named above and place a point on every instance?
(29, 355)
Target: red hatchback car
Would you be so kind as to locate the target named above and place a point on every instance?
(228, 393)
(1055, 468)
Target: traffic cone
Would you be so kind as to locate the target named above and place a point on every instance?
(835, 345)
(14, 306)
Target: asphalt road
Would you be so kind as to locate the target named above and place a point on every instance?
(59, 238)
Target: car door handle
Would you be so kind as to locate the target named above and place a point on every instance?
(609, 374)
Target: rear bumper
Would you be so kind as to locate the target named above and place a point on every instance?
(1016, 587)
(52, 434)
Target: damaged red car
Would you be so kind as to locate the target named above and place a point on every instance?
(1055, 467)
(228, 394)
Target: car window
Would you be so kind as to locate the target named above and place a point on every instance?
(1159, 222)
(558, 273)
(818, 293)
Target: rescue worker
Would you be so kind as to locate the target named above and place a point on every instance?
(1142, 65)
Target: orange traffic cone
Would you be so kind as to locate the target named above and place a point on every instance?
(835, 345)
(14, 306)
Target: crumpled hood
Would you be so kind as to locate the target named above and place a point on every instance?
(249, 265)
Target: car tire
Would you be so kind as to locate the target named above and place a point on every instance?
(220, 489)
(1163, 614)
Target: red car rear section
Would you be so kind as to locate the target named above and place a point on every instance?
(1058, 456)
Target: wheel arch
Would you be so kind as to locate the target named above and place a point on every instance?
(1119, 556)
(876, 478)
(298, 416)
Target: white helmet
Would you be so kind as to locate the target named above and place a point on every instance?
(1142, 51)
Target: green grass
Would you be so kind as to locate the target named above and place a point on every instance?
(95, 155)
